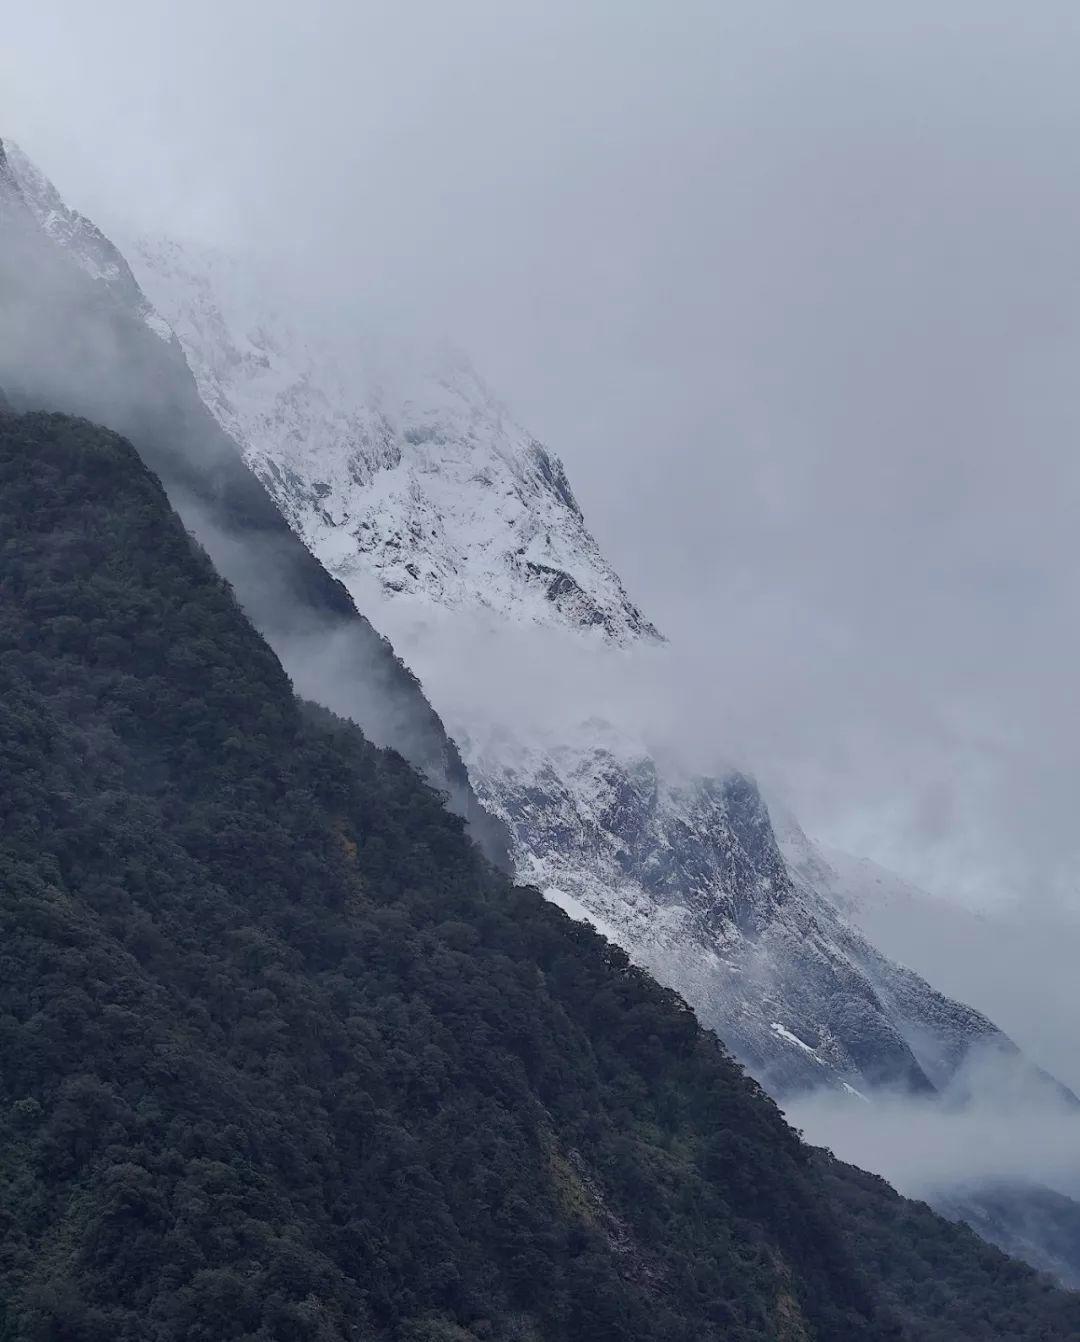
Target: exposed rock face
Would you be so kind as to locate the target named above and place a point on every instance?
(687, 874)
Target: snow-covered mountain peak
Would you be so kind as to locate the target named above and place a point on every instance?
(407, 470)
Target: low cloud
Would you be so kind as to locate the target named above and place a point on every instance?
(926, 1147)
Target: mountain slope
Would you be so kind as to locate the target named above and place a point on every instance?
(971, 953)
(441, 496)
(295, 1043)
(419, 480)
(687, 876)
(423, 472)
(410, 484)
(283, 1058)
(78, 334)
(851, 890)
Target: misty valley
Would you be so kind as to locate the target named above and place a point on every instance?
(386, 953)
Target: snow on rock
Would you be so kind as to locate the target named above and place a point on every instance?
(686, 875)
(403, 468)
(782, 1033)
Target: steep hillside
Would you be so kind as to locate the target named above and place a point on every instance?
(280, 1057)
(405, 475)
(78, 334)
(412, 483)
(419, 485)
(284, 1058)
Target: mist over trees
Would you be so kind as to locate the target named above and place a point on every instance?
(80, 341)
(285, 1058)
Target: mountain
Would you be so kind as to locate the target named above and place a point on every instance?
(444, 470)
(78, 334)
(687, 874)
(285, 1058)
(424, 471)
(416, 488)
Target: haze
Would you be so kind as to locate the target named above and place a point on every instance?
(792, 289)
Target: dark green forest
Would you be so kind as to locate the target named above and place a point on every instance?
(283, 1057)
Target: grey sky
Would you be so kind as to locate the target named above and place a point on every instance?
(794, 290)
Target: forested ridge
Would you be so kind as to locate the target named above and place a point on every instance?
(282, 1057)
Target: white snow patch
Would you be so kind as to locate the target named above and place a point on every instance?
(790, 1038)
(579, 912)
(158, 325)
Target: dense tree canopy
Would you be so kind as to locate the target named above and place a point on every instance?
(281, 1057)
